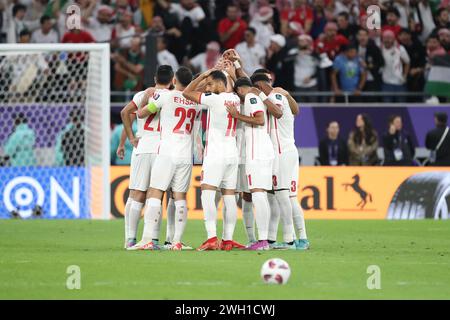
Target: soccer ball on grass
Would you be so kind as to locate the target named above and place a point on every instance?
(275, 271)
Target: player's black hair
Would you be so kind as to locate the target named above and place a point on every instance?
(18, 7)
(252, 30)
(242, 82)
(184, 76)
(262, 70)
(441, 117)
(256, 77)
(164, 74)
(218, 75)
(44, 19)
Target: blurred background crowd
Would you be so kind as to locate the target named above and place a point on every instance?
(309, 45)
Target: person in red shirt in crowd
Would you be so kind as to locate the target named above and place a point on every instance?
(77, 36)
(392, 17)
(301, 13)
(330, 41)
(232, 28)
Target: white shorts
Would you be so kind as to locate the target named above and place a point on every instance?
(168, 173)
(294, 180)
(140, 170)
(283, 167)
(259, 174)
(220, 174)
(242, 181)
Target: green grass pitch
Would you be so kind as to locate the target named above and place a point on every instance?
(414, 258)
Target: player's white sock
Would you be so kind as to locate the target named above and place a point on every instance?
(229, 216)
(125, 217)
(286, 214)
(180, 219)
(133, 218)
(152, 215)
(170, 220)
(249, 220)
(210, 212)
(262, 214)
(274, 216)
(299, 218)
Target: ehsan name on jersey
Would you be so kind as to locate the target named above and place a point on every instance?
(229, 103)
(186, 102)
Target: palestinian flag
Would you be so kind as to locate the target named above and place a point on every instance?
(438, 82)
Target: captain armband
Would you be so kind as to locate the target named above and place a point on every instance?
(152, 107)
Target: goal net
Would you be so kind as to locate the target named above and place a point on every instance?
(54, 131)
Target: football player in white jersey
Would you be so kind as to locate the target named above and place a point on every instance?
(220, 163)
(258, 155)
(172, 166)
(146, 143)
(302, 242)
(286, 159)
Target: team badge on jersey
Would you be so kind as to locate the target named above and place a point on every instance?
(253, 100)
(278, 96)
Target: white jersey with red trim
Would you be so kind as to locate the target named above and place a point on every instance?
(282, 130)
(148, 129)
(177, 116)
(220, 126)
(240, 137)
(257, 138)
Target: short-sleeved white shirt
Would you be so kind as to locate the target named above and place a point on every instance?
(220, 125)
(394, 58)
(148, 129)
(282, 130)
(177, 116)
(257, 138)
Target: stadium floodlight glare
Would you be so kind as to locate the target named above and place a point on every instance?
(55, 128)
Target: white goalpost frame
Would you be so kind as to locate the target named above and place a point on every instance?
(104, 49)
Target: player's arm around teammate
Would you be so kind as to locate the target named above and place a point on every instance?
(144, 153)
(259, 156)
(173, 164)
(220, 163)
(295, 109)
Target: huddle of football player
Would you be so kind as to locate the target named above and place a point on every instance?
(249, 153)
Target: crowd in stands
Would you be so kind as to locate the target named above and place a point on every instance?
(308, 45)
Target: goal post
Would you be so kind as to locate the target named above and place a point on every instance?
(55, 131)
